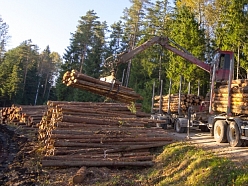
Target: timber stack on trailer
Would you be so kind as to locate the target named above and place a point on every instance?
(239, 97)
(114, 91)
(80, 134)
(187, 100)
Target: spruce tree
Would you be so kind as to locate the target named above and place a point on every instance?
(185, 31)
(84, 55)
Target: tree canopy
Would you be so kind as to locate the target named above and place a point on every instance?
(199, 27)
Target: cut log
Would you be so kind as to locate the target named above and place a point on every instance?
(97, 155)
(103, 163)
(80, 175)
(113, 91)
(94, 131)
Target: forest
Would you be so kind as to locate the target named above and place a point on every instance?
(30, 77)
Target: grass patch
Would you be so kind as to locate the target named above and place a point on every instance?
(185, 164)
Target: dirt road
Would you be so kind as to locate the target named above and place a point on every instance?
(204, 140)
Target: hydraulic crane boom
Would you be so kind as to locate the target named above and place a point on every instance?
(164, 42)
(221, 61)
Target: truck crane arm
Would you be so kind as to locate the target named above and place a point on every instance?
(165, 43)
(220, 64)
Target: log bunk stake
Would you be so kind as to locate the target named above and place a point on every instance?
(114, 91)
(78, 134)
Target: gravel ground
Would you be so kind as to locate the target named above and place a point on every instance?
(204, 140)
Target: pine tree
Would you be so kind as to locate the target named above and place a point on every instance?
(114, 46)
(4, 28)
(148, 67)
(18, 69)
(133, 28)
(47, 70)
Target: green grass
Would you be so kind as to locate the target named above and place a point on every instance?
(185, 164)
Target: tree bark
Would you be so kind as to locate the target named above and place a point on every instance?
(103, 163)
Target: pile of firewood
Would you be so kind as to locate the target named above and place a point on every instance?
(22, 114)
(187, 100)
(114, 91)
(98, 134)
(239, 97)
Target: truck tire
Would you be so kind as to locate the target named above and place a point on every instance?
(220, 131)
(178, 127)
(233, 135)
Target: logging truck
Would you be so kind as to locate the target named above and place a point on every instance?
(226, 120)
(180, 111)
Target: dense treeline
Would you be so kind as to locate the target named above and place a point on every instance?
(200, 27)
(28, 77)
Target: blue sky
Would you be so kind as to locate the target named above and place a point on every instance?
(50, 22)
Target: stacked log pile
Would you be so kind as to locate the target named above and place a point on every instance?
(6, 113)
(23, 114)
(187, 100)
(239, 97)
(98, 134)
(96, 86)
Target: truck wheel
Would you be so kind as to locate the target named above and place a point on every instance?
(178, 127)
(233, 135)
(220, 131)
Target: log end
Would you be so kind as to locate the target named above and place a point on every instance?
(80, 175)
